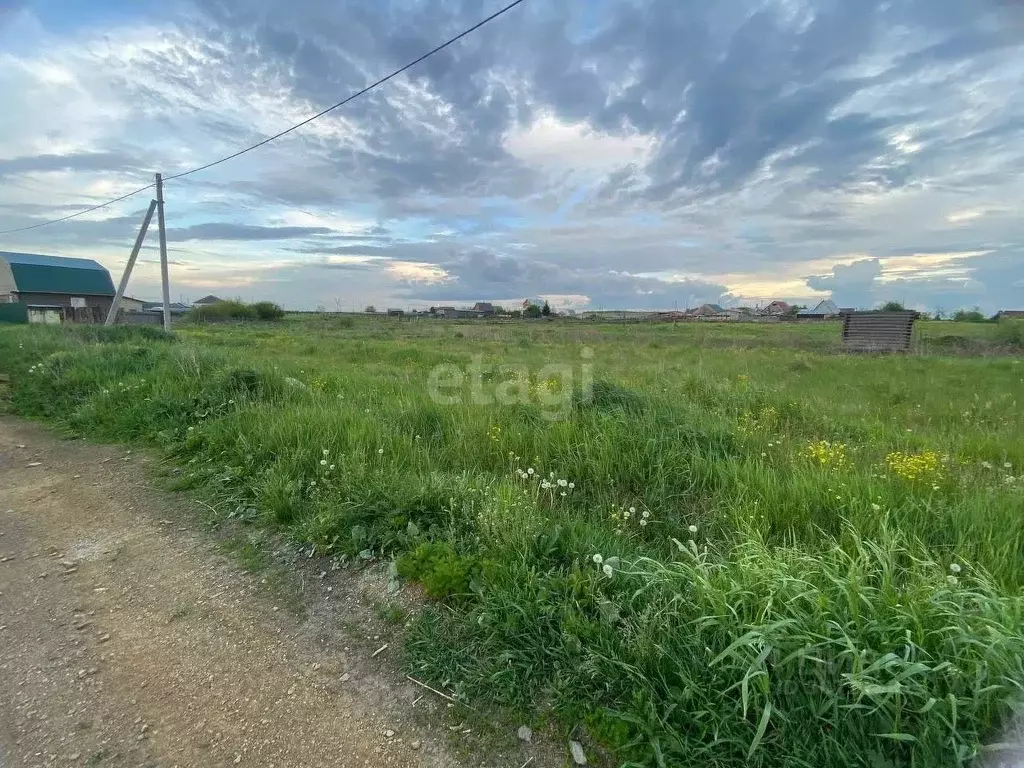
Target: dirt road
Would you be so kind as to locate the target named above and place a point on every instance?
(128, 639)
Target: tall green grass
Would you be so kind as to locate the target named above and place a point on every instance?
(755, 602)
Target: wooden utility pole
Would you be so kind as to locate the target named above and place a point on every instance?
(112, 314)
(163, 251)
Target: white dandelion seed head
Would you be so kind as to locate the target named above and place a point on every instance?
(952, 580)
(571, 486)
(1008, 465)
(563, 483)
(646, 514)
(529, 470)
(954, 568)
(380, 451)
(564, 493)
(331, 467)
(608, 570)
(326, 452)
(323, 462)
(643, 523)
(632, 510)
(876, 508)
(597, 559)
(692, 529)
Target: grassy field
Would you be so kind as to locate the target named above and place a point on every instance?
(713, 545)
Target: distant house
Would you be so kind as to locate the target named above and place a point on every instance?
(777, 308)
(128, 304)
(395, 312)
(527, 302)
(207, 301)
(707, 310)
(176, 308)
(449, 312)
(485, 308)
(825, 309)
(1011, 314)
(56, 289)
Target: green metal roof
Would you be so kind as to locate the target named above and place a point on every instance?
(55, 274)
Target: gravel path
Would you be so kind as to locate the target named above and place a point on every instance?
(127, 639)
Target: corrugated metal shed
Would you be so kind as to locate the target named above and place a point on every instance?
(878, 331)
(33, 273)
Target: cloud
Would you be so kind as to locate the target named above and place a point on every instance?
(648, 153)
(229, 231)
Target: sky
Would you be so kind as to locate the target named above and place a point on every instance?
(602, 154)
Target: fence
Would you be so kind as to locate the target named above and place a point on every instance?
(878, 331)
(13, 313)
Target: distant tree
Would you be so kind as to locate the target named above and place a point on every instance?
(532, 310)
(516, 313)
(499, 310)
(797, 308)
(892, 306)
(940, 314)
(370, 309)
(546, 309)
(969, 316)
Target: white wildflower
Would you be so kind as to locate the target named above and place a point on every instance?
(331, 467)
(692, 529)
(608, 570)
(564, 494)
(323, 462)
(529, 470)
(326, 452)
(876, 508)
(597, 559)
(571, 486)
(954, 568)
(380, 451)
(643, 523)
(952, 580)
(563, 483)
(1007, 465)
(646, 514)
(986, 464)
(632, 510)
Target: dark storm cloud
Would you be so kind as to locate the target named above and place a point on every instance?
(230, 231)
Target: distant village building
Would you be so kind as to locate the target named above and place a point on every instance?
(128, 304)
(55, 289)
(207, 301)
(1011, 314)
(485, 308)
(707, 310)
(825, 309)
(395, 312)
(777, 308)
(176, 307)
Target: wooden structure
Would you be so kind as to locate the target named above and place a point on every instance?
(878, 331)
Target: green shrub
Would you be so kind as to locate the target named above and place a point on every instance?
(222, 310)
(268, 310)
(436, 565)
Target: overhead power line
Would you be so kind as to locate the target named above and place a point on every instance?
(79, 213)
(295, 127)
